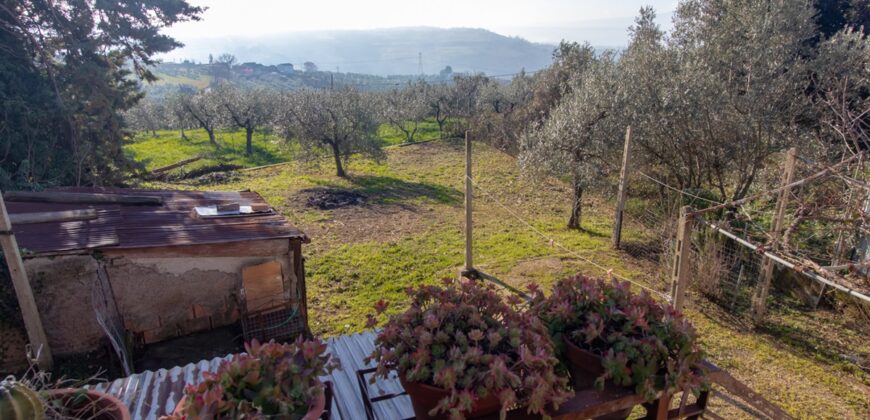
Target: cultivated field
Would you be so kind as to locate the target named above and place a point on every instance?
(398, 223)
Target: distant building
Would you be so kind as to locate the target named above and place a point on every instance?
(285, 68)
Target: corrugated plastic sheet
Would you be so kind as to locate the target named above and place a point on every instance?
(142, 226)
(151, 394)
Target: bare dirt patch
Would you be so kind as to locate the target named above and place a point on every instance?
(331, 198)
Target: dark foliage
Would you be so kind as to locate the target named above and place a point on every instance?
(66, 73)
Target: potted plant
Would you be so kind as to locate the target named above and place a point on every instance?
(464, 351)
(607, 333)
(31, 399)
(269, 380)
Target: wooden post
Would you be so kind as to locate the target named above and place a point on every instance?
(620, 195)
(469, 258)
(762, 290)
(29, 311)
(682, 258)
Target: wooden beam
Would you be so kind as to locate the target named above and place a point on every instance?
(178, 164)
(620, 196)
(469, 257)
(52, 216)
(682, 258)
(81, 198)
(29, 311)
(762, 290)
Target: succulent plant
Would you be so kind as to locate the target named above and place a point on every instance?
(18, 401)
(270, 380)
(642, 343)
(469, 340)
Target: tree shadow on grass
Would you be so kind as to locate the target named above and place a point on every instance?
(590, 232)
(260, 156)
(793, 328)
(391, 189)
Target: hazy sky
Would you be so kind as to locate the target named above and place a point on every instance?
(602, 22)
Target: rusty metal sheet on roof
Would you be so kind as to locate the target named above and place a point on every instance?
(151, 394)
(172, 223)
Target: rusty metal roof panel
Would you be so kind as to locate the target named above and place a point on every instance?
(173, 223)
(66, 236)
(151, 394)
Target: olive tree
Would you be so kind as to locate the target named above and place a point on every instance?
(714, 100)
(500, 114)
(205, 109)
(149, 115)
(246, 108)
(841, 100)
(442, 102)
(176, 114)
(341, 122)
(576, 140)
(406, 107)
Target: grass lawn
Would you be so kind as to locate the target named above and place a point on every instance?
(410, 232)
(426, 130)
(168, 148)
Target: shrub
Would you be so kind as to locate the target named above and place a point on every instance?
(268, 381)
(470, 341)
(643, 344)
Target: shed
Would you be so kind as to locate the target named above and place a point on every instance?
(155, 264)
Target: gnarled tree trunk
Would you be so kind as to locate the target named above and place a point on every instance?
(576, 207)
(339, 169)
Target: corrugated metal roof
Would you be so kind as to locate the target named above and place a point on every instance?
(151, 394)
(142, 226)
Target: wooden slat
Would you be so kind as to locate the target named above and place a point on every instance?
(249, 248)
(52, 216)
(179, 164)
(81, 198)
(24, 293)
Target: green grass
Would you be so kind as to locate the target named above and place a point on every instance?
(426, 130)
(168, 148)
(411, 233)
(201, 82)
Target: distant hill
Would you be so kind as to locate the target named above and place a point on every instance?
(189, 75)
(381, 51)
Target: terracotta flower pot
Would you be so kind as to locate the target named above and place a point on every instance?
(585, 367)
(88, 404)
(425, 397)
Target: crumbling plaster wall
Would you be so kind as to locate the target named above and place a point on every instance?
(159, 293)
(63, 289)
(164, 296)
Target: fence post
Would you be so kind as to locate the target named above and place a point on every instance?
(762, 290)
(682, 258)
(620, 196)
(469, 258)
(29, 311)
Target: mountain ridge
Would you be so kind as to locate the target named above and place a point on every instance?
(408, 50)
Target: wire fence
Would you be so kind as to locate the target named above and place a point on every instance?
(818, 250)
